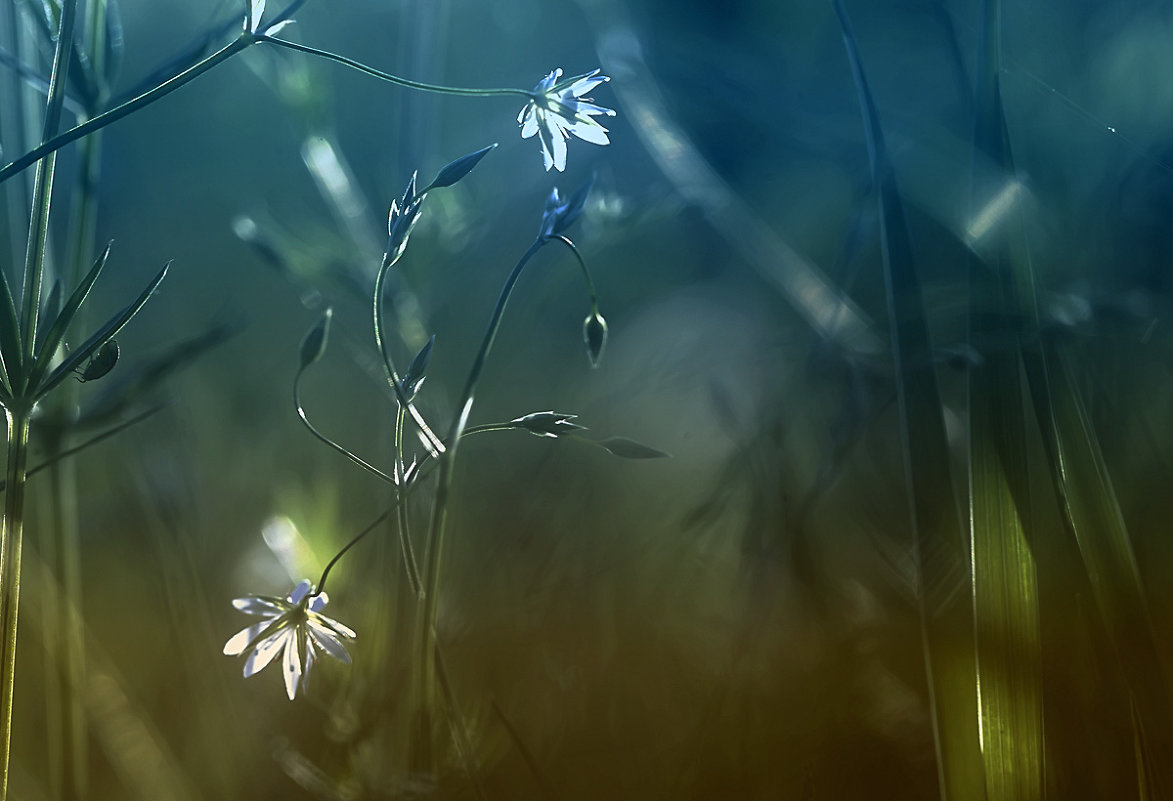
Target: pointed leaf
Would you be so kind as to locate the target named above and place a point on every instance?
(56, 333)
(630, 449)
(101, 337)
(10, 340)
(456, 170)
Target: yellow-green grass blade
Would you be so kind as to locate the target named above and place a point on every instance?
(1093, 516)
(1082, 485)
(1005, 583)
(1006, 603)
(942, 559)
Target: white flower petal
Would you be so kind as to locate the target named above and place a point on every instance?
(584, 85)
(329, 643)
(331, 625)
(529, 126)
(310, 656)
(589, 108)
(559, 150)
(239, 641)
(300, 591)
(258, 11)
(292, 665)
(589, 132)
(547, 138)
(256, 605)
(266, 649)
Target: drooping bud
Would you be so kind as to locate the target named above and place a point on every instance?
(314, 343)
(594, 333)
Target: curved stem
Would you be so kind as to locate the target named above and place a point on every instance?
(478, 365)
(313, 430)
(386, 76)
(353, 542)
(411, 481)
(129, 107)
(586, 273)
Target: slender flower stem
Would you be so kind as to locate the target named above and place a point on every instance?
(10, 546)
(395, 79)
(239, 44)
(410, 566)
(422, 758)
(586, 273)
(313, 430)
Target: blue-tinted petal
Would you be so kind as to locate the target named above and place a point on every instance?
(581, 87)
(589, 131)
(529, 126)
(300, 591)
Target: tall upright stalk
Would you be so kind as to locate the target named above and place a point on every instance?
(11, 527)
(423, 755)
(20, 409)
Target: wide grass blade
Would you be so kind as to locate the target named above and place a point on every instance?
(1092, 513)
(939, 542)
(1083, 488)
(1005, 582)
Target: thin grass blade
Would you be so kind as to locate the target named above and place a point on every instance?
(10, 341)
(939, 542)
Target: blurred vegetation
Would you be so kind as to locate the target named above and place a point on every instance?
(747, 619)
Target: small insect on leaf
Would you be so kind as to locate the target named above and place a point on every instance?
(100, 363)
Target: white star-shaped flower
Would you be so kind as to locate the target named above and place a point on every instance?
(558, 109)
(293, 626)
